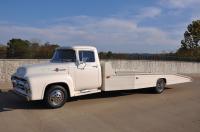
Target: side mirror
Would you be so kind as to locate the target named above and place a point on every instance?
(82, 64)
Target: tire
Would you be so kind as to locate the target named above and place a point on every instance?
(56, 96)
(160, 86)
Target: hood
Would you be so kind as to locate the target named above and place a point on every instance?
(45, 68)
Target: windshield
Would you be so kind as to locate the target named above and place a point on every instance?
(64, 55)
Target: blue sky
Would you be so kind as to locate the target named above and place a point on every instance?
(149, 26)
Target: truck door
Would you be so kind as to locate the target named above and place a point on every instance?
(87, 73)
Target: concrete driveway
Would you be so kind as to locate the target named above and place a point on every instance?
(176, 110)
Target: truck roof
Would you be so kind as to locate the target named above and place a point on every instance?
(78, 47)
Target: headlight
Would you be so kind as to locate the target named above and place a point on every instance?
(14, 82)
(21, 71)
(27, 87)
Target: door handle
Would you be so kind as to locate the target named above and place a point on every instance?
(95, 66)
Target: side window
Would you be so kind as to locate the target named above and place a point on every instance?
(87, 56)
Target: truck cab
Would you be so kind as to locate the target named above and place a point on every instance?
(72, 71)
(83, 66)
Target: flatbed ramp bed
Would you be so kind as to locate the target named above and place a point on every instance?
(125, 80)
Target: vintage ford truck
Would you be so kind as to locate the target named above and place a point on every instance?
(75, 71)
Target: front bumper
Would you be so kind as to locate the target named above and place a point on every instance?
(27, 97)
(21, 87)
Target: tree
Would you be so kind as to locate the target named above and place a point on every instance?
(190, 45)
(191, 36)
(3, 51)
(109, 55)
(24, 49)
(34, 48)
(18, 48)
(46, 51)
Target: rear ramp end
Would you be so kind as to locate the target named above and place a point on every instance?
(177, 79)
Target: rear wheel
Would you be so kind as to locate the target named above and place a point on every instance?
(160, 86)
(56, 96)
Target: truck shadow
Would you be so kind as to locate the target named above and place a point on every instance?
(9, 101)
(112, 94)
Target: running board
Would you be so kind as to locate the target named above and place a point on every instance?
(86, 91)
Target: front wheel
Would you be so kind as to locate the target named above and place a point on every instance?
(160, 86)
(56, 96)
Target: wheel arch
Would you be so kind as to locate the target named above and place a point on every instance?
(164, 80)
(63, 84)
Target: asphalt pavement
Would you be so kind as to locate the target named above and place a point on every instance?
(177, 109)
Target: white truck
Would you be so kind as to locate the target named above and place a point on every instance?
(75, 71)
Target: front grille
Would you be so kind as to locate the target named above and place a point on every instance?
(18, 83)
(20, 86)
(18, 78)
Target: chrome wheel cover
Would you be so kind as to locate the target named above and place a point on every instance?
(56, 97)
(160, 86)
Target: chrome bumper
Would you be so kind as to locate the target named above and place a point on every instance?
(20, 88)
(27, 97)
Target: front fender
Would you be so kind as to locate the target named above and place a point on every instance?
(39, 83)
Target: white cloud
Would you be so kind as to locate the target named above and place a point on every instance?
(195, 15)
(120, 35)
(180, 3)
(149, 12)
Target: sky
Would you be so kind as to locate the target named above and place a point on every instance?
(125, 26)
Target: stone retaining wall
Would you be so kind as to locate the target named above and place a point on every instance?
(8, 66)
